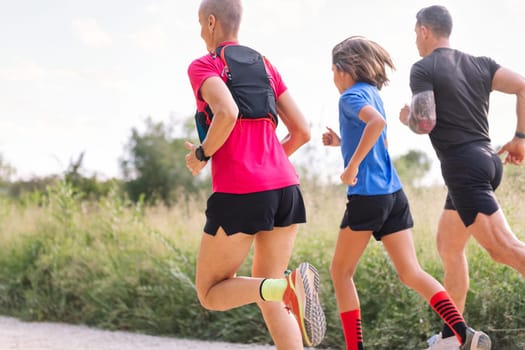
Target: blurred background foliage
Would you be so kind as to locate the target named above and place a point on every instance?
(120, 253)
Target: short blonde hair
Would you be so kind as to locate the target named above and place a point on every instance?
(363, 59)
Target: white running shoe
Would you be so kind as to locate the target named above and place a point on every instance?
(436, 342)
(476, 340)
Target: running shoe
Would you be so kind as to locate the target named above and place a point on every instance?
(476, 340)
(437, 342)
(301, 298)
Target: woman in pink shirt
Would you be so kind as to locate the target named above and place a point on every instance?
(256, 197)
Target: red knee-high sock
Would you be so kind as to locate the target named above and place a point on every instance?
(445, 308)
(351, 321)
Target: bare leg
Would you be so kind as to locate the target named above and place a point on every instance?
(348, 250)
(400, 248)
(452, 238)
(219, 258)
(271, 256)
(494, 234)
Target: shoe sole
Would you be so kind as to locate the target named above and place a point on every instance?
(442, 343)
(481, 341)
(313, 321)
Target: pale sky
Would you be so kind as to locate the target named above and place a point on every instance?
(78, 75)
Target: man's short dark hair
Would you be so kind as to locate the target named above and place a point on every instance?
(437, 19)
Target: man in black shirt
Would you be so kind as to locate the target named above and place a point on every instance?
(450, 102)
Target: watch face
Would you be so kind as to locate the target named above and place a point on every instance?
(199, 154)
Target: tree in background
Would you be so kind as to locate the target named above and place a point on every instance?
(34, 189)
(154, 165)
(88, 187)
(412, 167)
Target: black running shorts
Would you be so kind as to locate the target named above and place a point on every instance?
(253, 212)
(383, 215)
(472, 172)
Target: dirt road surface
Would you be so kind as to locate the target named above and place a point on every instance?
(18, 335)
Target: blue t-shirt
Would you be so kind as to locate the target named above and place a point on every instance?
(377, 175)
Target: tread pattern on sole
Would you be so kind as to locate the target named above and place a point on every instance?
(314, 317)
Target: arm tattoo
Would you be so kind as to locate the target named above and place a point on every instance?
(422, 117)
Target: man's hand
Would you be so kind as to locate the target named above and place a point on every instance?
(515, 150)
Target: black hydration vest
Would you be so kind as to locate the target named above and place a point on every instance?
(249, 84)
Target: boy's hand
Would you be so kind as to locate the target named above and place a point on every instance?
(330, 138)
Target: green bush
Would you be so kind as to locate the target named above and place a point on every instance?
(120, 265)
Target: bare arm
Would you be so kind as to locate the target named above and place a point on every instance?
(375, 124)
(509, 82)
(215, 92)
(421, 116)
(295, 122)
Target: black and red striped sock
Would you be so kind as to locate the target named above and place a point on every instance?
(351, 321)
(446, 332)
(445, 308)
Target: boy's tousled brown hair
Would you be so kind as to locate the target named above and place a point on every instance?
(363, 59)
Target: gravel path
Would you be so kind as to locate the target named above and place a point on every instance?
(19, 335)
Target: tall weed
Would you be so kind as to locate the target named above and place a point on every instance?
(121, 265)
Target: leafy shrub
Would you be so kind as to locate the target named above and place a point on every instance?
(118, 264)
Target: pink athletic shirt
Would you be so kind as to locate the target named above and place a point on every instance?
(252, 159)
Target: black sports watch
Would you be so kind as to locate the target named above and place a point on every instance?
(199, 154)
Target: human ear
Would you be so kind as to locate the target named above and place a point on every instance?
(425, 31)
(211, 23)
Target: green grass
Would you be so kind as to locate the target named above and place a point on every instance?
(117, 265)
